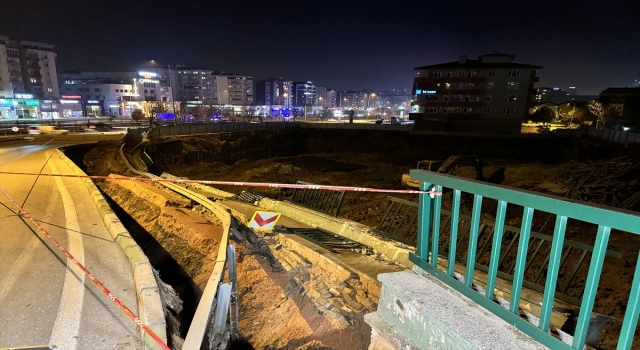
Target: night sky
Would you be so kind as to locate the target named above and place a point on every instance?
(339, 44)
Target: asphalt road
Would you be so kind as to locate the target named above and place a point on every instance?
(45, 299)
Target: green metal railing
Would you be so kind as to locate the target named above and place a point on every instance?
(605, 218)
(400, 223)
(325, 201)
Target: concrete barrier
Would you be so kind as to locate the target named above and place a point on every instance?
(150, 309)
(417, 311)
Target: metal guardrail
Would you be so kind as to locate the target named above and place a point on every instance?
(325, 201)
(404, 228)
(605, 218)
(203, 315)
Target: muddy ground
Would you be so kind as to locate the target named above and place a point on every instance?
(385, 171)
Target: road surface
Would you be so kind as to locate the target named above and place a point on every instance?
(45, 299)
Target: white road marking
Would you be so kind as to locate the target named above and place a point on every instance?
(67, 325)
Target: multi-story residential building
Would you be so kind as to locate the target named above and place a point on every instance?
(622, 100)
(321, 96)
(239, 89)
(349, 99)
(27, 75)
(544, 95)
(304, 94)
(559, 96)
(572, 91)
(489, 94)
(274, 92)
(332, 99)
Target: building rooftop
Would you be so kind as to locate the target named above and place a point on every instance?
(478, 64)
(622, 89)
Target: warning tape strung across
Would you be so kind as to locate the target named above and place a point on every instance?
(432, 193)
(95, 280)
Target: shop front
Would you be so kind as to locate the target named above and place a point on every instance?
(7, 110)
(26, 108)
(49, 109)
(94, 108)
(71, 106)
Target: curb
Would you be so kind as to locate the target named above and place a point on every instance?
(150, 309)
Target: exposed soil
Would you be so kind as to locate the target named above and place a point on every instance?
(385, 171)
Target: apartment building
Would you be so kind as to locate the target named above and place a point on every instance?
(621, 100)
(304, 94)
(489, 94)
(27, 75)
(274, 92)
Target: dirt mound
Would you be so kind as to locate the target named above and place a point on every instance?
(104, 159)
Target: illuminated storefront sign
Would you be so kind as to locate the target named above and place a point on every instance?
(147, 75)
(68, 101)
(93, 101)
(23, 95)
(71, 96)
(149, 81)
(29, 102)
(429, 91)
(6, 102)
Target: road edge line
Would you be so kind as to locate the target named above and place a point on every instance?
(150, 309)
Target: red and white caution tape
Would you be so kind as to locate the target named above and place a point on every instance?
(95, 280)
(432, 193)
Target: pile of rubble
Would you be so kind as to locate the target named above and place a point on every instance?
(614, 182)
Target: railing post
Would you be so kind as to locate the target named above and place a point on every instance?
(473, 239)
(521, 259)
(435, 240)
(591, 287)
(552, 272)
(498, 231)
(631, 313)
(453, 233)
(424, 221)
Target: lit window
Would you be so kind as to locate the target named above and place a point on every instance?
(490, 85)
(513, 85)
(49, 89)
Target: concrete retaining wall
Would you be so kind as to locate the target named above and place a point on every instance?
(150, 309)
(211, 127)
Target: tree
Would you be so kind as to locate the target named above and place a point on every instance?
(596, 108)
(137, 114)
(543, 115)
(569, 113)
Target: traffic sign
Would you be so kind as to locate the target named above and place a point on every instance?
(264, 220)
(15, 129)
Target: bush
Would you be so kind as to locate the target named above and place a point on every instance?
(137, 114)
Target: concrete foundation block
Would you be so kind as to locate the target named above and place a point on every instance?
(384, 336)
(433, 315)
